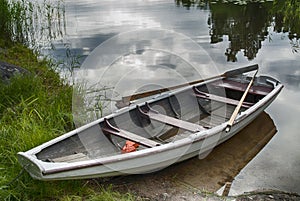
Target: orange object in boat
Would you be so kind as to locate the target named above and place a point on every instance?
(130, 146)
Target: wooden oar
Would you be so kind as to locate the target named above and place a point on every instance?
(238, 107)
(126, 99)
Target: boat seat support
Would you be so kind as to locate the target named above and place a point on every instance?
(152, 114)
(213, 97)
(111, 130)
(172, 107)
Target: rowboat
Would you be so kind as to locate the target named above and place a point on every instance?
(146, 136)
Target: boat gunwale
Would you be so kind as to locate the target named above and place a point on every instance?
(47, 168)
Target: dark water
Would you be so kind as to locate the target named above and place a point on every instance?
(232, 35)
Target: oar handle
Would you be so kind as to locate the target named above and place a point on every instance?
(238, 107)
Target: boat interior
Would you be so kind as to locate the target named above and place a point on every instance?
(159, 122)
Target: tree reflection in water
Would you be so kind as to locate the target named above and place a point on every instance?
(246, 27)
(287, 19)
(246, 23)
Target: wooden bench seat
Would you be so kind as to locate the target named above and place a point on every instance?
(222, 99)
(70, 158)
(109, 129)
(230, 84)
(154, 115)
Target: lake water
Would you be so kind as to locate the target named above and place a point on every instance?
(232, 36)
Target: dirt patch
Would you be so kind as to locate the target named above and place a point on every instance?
(154, 187)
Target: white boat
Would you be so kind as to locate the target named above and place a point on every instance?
(168, 128)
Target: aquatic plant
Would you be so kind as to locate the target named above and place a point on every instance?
(90, 102)
(31, 22)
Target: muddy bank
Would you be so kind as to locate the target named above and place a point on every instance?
(267, 195)
(155, 188)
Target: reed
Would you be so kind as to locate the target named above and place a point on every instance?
(5, 17)
(32, 22)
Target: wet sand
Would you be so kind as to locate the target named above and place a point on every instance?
(199, 178)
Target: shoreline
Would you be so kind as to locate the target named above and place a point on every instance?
(161, 187)
(156, 188)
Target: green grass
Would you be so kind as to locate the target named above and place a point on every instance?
(33, 109)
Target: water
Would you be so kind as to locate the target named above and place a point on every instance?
(233, 36)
